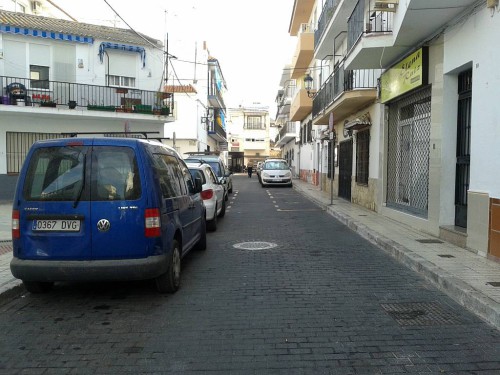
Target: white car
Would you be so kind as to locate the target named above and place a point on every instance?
(212, 192)
(275, 172)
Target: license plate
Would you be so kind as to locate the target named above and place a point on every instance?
(56, 225)
(277, 179)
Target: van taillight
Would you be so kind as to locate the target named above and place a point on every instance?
(16, 231)
(207, 194)
(152, 222)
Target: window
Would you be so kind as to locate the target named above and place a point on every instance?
(168, 173)
(39, 77)
(362, 156)
(121, 81)
(18, 145)
(255, 122)
(55, 174)
(114, 174)
(331, 160)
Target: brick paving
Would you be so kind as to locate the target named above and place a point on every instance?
(322, 301)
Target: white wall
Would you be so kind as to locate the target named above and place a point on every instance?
(476, 42)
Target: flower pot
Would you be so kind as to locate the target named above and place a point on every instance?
(72, 104)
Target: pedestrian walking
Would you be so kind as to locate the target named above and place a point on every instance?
(250, 170)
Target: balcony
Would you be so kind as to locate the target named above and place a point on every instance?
(286, 134)
(89, 98)
(301, 105)
(304, 51)
(217, 128)
(214, 97)
(382, 34)
(331, 26)
(301, 13)
(344, 93)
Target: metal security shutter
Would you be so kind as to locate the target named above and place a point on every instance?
(408, 152)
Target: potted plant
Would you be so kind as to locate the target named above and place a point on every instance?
(165, 110)
(72, 104)
(48, 103)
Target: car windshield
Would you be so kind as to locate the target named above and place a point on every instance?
(215, 167)
(276, 165)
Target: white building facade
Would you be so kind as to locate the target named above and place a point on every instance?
(61, 78)
(410, 99)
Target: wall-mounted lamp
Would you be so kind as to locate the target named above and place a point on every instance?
(308, 84)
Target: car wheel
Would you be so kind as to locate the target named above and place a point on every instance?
(226, 197)
(36, 287)
(212, 224)
(202, 242)
(231, 189)
(169, 282)
(223, 211)
(263, 184)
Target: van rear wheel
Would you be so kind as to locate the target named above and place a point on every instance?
(170, 281)
(37, 287)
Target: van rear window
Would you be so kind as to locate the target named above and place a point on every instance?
(114, 174)
(55, 173)
(62, 174)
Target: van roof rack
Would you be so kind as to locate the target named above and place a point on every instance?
(144, 134)
(202, 153)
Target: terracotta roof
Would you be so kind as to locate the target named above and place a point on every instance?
(105, 33)
(180, 89)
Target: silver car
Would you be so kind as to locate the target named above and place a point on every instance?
(275, 172)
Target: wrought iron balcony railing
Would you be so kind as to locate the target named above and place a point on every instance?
(343, 80)
(325, 17)
(45, 93)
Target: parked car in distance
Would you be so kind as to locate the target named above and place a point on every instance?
(102, 209)
(275, 172)
(212, 193)
(259, 169)
(217, 164)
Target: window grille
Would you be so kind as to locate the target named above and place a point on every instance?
(408, 152)
(330, 162)
(18, 145)
(254, 122)
(362, 156)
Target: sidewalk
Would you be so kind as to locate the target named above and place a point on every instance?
(462, 275)
(9, 285)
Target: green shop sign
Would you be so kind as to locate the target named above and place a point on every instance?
(405, 76)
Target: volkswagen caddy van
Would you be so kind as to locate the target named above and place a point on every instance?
(102, 209)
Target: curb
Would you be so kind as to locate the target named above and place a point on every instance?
(462, 293)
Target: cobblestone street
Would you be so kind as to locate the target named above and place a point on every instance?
(283, 288)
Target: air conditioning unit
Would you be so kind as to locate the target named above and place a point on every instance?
(385, 5)
(36, 7)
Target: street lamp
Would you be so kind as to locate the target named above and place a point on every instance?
(308, 84)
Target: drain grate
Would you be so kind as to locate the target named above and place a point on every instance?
(446, 256)
(429, 240)
(496, 284)
(419, 314)
(255, 245)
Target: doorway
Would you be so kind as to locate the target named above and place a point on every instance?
(345, 169)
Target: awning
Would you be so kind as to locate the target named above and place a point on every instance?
(122, 47)
(358, 123)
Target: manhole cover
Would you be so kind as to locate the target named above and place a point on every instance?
(419, 314)
(255, 245)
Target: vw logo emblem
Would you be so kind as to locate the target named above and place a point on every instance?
(103, 225)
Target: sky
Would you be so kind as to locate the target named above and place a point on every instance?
(249, 38)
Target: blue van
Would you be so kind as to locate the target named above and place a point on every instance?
(102, 209)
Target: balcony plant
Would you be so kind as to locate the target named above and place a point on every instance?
(48, 103)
